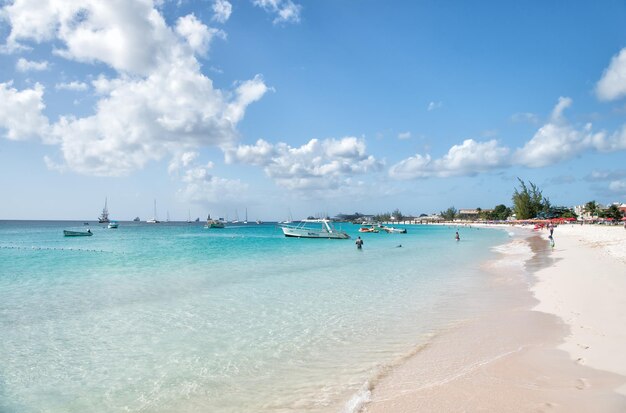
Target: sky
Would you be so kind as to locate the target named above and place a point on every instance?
(294, 107)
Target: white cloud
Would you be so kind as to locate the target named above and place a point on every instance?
(201, 186)
(222, 10)
(404, 135)
(525, 117)
(434, 105)
(318, 164)
(160, 103)
(74, 86)
(197, 34)
(24, 65)
(558, 140)
(612, 84)
(20, 112)
(469, 158)
(618, 186)
(33, 20)
(180, 160)
(286, 11)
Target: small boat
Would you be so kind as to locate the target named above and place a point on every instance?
(136, 219)
(104, 217)
(154, 219)
(259, 222)
(87, 233)
(368, 229)
(309, 228)
(390, 230)
(113, 224)
(213, 223)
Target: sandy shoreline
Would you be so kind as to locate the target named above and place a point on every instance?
(552, 341)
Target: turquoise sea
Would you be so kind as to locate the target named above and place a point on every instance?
(177, 318)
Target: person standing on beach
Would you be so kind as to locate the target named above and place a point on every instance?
(359, 243)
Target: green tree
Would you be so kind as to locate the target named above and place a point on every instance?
(569, 213)
(449, 214)
(500, 213)
(397, 215)
(591, 208)
(382, 217)
(613, 212)
(528, 201)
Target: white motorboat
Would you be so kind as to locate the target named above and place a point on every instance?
(314, 228)
(391, 230)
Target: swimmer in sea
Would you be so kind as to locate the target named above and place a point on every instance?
(457, 237)
(359, 243)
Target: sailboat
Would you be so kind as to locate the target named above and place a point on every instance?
(246, 220)
(154, 219)
(104, 217)
(289, 219)
(189, 216)
(236, 220)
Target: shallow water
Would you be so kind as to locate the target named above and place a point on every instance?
(175, 317)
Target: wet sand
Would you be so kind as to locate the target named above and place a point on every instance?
(505, 360)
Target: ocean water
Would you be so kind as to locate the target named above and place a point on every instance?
(177, 318)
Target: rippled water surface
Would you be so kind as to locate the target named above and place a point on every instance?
(177, 318)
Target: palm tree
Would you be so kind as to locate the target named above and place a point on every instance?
(591, 208)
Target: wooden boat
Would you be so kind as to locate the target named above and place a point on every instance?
(87, 233)
(104, 217)
(213, 223)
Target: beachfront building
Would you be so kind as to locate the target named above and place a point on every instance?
(585, 215)
(428, 219)
(472, 214)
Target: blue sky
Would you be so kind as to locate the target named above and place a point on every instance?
(307, 106)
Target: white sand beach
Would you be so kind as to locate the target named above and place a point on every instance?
(586, 288)
(553, 340)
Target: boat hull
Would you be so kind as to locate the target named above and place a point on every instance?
(76, 233)
(214, 225)
(312, 233)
